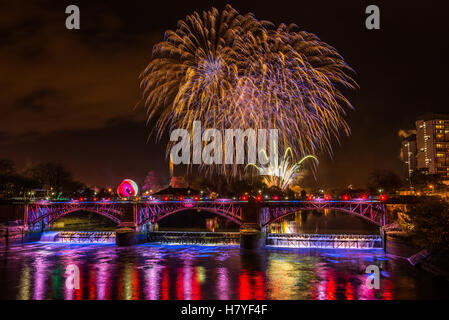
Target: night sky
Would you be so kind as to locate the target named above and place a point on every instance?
(72, 96)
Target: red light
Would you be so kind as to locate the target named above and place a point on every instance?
(275, 197)
(259, 198)
(364, 197)
(244, 198)
(327, 197)
(165, 198)
(181, 198)
(109, 199)
(383, 197)
(310, 198)
(345, 197)
(81, 199)
(196, 198)
(95, 199)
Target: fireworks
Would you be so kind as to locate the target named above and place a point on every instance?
(195, 69)
(229, 70)
(281, 174)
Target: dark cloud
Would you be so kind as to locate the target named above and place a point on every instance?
(4, 137)
(38, 101)
(96, 156)
(57, 79)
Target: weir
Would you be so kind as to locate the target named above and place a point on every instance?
(79, 237)
(189, 237)
(331, 241)
(324, 241)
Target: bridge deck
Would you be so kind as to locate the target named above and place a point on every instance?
(41, 214)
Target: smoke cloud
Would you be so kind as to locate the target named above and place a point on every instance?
(406, 133)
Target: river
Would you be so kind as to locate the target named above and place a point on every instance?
(157, 271)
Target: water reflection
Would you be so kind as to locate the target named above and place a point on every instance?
(152, 282)
(25, 284)
(37, 271)
(40, 277)
(223, 284)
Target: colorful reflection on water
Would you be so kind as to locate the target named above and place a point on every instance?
(151, 271)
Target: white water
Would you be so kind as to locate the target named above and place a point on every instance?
(48, 236)
(325, 241)
(79, 237)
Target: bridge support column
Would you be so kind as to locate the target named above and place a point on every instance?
(251, 236)
(128, 237)
(150, 227)
(384, 239)
(127, 233)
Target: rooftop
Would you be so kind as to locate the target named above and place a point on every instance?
(434, 116)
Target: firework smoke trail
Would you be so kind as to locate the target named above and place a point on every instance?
(232, 71)
(281, 174)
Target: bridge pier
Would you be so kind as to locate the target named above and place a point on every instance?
(128, 237)
(127, 233)
(251, 235)
(150, 227)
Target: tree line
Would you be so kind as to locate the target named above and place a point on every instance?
(45, 176)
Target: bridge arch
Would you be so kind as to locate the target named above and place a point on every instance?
(162, 215)
(105, 214)
(46, 214)
(291, 211)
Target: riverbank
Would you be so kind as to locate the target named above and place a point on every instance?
(400, 244)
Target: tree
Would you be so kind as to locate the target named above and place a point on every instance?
(6, 167)
(153, 182)
(386, 180)
(178, 182)
(274, 191)
(298, 191)
(430, 224)
(199, 183)
(13, 184)
(53, 175)
(7, 174)
(422, 180)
